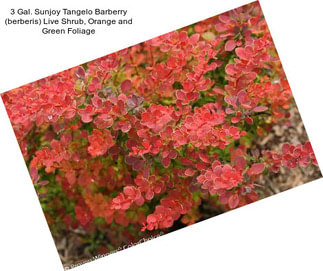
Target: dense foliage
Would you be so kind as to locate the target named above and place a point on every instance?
(134, 141)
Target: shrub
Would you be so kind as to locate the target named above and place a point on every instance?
(142, 138)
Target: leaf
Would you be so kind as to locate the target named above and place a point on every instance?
(235, 119)
(229, 111)
(249, 120)
(231, 100)
(229, 45)
(221, 27)
(80, 72)
(241, 53)
(172, 154)
(180, 95)
(204, 157)
(43, 183)
(240, 162)
(218, 91)
(126, 85)
(285, 148)
(189, 172)
(71, 177)
(256, 169)
(194, 38)
(260, 109)
(230, 69)
(233, 201)
(209, 36)
(186, 161)
(166, 162)
(224, 18)
(34, 174)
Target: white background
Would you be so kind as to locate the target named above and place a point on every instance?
(283, 232)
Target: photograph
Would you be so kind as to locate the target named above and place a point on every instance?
(161, 135)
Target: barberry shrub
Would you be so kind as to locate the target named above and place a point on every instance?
(151, 137)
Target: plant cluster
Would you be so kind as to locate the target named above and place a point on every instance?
(138, 140)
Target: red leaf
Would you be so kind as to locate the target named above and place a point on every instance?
(235, 119)
(249, 120)
(189, 172)
(260, 108)
(230, 45)
(233, 201)
(186, 161)
(218, 91)
(240, 163)
(256, 169)
(100, 142)
(71, 177)
(230, 69)
(82, 216)
(80, 72)
(166, 162)
(285, 148)
(43, 183)
(241, 53)
(204, 157)
(229, 111)
(224, 18)
(126, 85)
